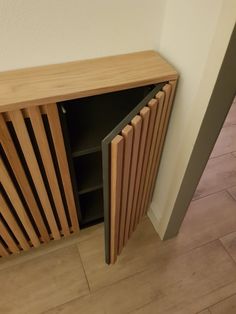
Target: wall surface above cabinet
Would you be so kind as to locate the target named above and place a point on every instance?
(52, 83)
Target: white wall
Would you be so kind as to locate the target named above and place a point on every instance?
(36, 32)
(195, 35)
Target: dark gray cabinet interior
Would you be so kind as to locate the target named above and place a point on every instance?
(85, 123)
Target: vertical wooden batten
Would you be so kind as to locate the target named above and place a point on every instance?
(27, 167)
(41, 137)
(55, 127)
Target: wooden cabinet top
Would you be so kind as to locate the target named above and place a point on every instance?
(53, 83)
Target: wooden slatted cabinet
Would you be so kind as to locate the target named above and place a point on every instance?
(81, 143)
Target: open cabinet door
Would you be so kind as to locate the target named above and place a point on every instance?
(131, 155)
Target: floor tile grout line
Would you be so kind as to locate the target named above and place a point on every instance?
(222, 300)
(227, 191)
(57, 306)
(37, 253)
(223, 190)
(226, 251)
(83, 268)
(221, 155)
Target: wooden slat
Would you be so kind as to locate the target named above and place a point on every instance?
(58, 82)
(30, 158)
(12, 223)
(169, 90)
(8, 238)
(3, 251)
(153, 152)
(145, 114)
(127, 134)
(17, 168)
(41, 137)
(117, 153)
(153, 110)
(55, 127)
(17, 204)
(137, 125)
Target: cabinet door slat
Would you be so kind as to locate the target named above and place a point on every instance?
(169, 90)
(136, 122)
(3, 251)
(12, 193)
(54, 123)
(18, 170)
(12, 223)
(29, 155)
(152, 105)
(4, 233)
(153, 151)
(145, 114)
(127, 134)
(117, 154)
(41, 137)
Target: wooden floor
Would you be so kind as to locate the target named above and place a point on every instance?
(192, 273)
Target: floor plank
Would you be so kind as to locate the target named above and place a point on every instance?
(227, 306)
(41, 283)
(205, 221)
(226, 141)
(219, 174)
(204, 312)
(229, 242)
(164, 287)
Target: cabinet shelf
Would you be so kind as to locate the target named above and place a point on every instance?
(91, 205)
(88, 169)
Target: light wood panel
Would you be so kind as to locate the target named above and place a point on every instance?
(141, 158)
(136, 122)
(41, 137)
(169, 90)
(35, 177)
(55, 127)
(153, 152)
(8, 238)
(18, 170)
(3, 251)
(12, 193)
(22, 134)
(117, 153)
(127, 134)
(152, 105)
(48, 84)
(145, 114)
(12, 224)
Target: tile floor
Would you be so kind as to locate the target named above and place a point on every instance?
(192, 273)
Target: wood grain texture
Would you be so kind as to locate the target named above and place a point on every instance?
(117, 151)
(136, 122)
(3, 251)
(12, 223)
(17, 168)
(152, 105)
(53, 83)
(41, 137)
(17, 204)
(17, 119)
(8, 238)
(145, 114)
(55, 127)
(169, 90)
(127, 134)
(153, 151)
